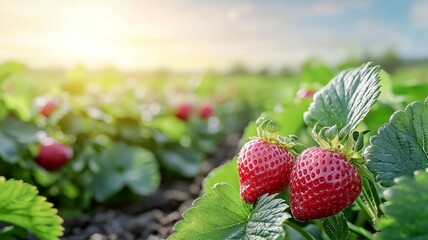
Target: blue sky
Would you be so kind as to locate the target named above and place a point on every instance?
(201, 34)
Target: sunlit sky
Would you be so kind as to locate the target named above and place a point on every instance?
(200, 34)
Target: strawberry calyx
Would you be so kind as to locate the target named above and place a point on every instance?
(349, 144)
(268, 130)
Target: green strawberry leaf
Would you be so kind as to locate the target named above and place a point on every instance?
(122, 165)
(21, 206)
(3, 109)
(401, 146)
(173, 127)
(406, 214)
(336, 227)
(227, 173)
(13, 233)
(22, 132)
(346, 99)
(221, 214)
(14, 137)
(185, 161)
(9, 149)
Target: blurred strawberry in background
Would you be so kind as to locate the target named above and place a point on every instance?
(53, 154)
(304, 93)
(183, 111)
(46, 106)
(205, 111)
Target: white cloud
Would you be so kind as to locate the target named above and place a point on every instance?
(240, 10)
(419, 13)
(334, 7)
(370, 29)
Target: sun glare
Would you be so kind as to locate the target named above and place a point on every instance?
(88, 36)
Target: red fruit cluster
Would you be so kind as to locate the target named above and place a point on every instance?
(263, 167)
(185, 110)
(323, 183)
(53, 154)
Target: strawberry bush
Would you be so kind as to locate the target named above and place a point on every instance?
(25, 210)
(84, 138)
(89, 138)
(337, 172)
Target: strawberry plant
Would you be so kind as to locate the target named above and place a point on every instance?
(342, 186)
(103, 151)
(21, 206)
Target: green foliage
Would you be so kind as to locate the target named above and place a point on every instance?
(343, 103)
(227, 173)
(405, 208)
(315, 71)
(401, 145)
(179, 159)
(290, 120)
(99, 110)
(121, 165)
(336, 227)
(8, 149)
(9, 68)
(346, 99)
(171, 126)
(22, 132)
(21, 206)
(221, 214)
(14, 136)
(3, 109)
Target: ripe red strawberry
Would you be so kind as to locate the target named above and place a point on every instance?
(47, 106)
(53, 155)
(323, 183)
(205, 111)
(263, 167)
(183, 111)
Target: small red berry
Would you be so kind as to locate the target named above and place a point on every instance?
(53, 155)
(323, 183)
(263, 167)
(205, 111)
(304, 94)
(183, 111)
(47, 106)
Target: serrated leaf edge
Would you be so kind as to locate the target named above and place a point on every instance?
(38, 210)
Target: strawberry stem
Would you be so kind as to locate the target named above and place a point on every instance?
(349, 144)
(370, 188)
(360, 231)
(299, 229)
(366, 209)
(268, 130)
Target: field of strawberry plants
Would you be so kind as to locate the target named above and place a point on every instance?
(319, 153)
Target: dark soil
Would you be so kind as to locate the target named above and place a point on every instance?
(153, 217)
